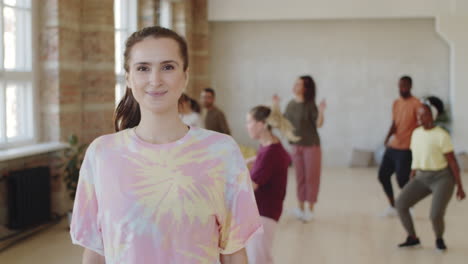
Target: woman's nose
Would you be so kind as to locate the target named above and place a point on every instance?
(155, 78)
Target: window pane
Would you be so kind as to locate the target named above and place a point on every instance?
(119, 91)
(118, 53)
(118, 13)
(12, 110)
(17, 39)
(9, 37)
(18, 3)
(120, 38)
(1, 41)
(23, 38)
(27, 32)
(10, 2)
(18, 111)
(165, 17)
(2, 114)
(24, 3)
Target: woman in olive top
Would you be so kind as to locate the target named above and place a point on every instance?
(306, 117)
(434, 170)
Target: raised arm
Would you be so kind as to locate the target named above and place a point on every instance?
(321, 111)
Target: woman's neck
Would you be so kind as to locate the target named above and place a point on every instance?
(299, 98)
(161, 128)
(267, 139)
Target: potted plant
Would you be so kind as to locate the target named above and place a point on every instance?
(73, 158)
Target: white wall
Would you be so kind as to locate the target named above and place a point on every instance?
(244, 10)
(451, 18)
(454, 30)
(356, 64)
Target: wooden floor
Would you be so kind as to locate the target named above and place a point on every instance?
(347, 230)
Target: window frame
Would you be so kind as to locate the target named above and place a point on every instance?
(26, 75)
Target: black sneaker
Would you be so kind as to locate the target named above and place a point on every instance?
(410, 242)
(440, 244)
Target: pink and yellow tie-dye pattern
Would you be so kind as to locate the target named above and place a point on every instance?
(182, 202)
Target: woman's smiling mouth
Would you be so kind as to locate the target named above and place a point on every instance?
(156, 94)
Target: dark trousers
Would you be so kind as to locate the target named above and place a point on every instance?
(395, 161)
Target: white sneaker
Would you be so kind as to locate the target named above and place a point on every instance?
(298, 213)
(389, 212)
(308, 215)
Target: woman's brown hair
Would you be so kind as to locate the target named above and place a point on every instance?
(260, 114)
(127, 114)
(309, 86)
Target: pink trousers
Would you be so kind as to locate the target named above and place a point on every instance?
(259, 247)
(308, 165)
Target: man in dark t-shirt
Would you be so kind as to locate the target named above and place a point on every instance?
(212, 117)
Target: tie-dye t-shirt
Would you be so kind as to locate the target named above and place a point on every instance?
(183, 202)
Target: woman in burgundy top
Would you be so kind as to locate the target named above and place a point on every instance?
(269, 176)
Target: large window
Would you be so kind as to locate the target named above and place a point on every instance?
(125, 15)
(16, 73)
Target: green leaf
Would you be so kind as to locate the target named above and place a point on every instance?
(73, 140)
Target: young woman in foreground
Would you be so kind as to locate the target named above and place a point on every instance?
(158, 191)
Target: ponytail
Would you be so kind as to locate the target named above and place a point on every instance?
(127, 114)
(274, 119)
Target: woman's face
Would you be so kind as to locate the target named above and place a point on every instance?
(156, 74)
(424, 116)
(298, 88)
(254, 128)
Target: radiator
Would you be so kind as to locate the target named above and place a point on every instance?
(28, 197)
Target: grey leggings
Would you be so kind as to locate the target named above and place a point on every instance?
(441, 184)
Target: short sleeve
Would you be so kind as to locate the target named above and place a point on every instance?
(240, 220)
(262, 168)
(85, 229)
(446, 142)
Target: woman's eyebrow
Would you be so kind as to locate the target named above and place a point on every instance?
(142, 63)
(162, 62)
(169, 61)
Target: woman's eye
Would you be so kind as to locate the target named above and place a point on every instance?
(167, 67)
(142, 68)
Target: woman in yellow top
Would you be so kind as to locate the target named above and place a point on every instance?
(434, 170)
